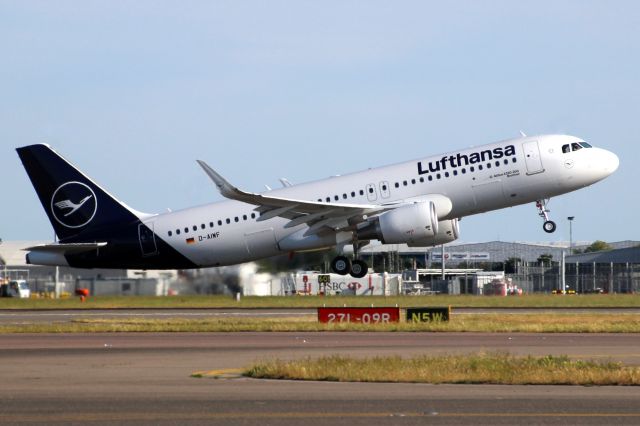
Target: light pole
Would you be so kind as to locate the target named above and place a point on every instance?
(570, 219)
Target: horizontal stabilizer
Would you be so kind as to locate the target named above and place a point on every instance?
(71, 248)
(55, 254)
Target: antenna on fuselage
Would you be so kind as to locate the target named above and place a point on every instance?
(522, 133)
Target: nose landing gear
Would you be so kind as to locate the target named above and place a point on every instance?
(549, 226)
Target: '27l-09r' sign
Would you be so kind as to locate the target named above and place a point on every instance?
(359, 315)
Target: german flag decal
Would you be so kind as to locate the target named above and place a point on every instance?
(191, 241)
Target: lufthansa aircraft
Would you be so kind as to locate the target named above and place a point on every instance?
(418, 203)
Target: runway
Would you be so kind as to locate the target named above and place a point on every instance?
(145, 378)
(25, 316)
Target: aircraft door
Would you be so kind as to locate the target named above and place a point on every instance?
(384, 189)
(371, 192)
(147, 239)
(532, 157)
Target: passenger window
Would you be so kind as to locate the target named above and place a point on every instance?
(464, 170)
(413, 181)
(344, 196)
(203, 226)
(210, 224)
(336, 198)
(438, 176)
(514, 159)
(479, 166)
(404, 182)
(328, 199)
(361, 192)
(170, 233)
(506, 161)
(228, 221)
(446, 174)
(488, 165)
(384, 187)
(421, 179)
(253, 215)
(177, 232)
(186, 230)
(455, 173)
(397, 185)
(497, 164)
(219, 223)
(430, 178)
(370, 190)
(353, 194)
(195, 228)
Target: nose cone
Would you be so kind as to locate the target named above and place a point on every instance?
(609, 161)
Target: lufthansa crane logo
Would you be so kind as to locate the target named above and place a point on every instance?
(74, 204)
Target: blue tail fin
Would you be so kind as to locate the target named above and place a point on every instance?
(78, 208)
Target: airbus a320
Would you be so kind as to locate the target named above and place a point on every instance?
(418, 202)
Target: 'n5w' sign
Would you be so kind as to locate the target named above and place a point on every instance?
(428, 314)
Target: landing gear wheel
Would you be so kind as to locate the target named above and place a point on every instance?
(359, 268)
(341, 265)
(549, 226)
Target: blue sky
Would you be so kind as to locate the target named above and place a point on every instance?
(133, 92)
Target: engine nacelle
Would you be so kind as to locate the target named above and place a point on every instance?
(448, 230)
(407, 224)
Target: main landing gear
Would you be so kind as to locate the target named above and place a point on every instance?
(549, 226)
(343, 265)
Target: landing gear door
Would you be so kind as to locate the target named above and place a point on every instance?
(147, 239)
(384, 189)
(532, 157)
(371, 192)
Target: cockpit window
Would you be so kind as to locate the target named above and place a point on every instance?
(585, 145)
(566, 148)
(575, 146)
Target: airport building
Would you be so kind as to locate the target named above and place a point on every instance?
(469, 269)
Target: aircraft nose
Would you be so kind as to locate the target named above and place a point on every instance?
(610, 162)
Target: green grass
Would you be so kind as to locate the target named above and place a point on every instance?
(492, 368)
(545, 322)
(462, 301)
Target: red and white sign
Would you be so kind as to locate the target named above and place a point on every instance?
(358, 315)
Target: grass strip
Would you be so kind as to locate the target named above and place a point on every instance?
(459, 301)
(546, 322)
(483, 368)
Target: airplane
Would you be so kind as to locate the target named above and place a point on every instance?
(418, 202)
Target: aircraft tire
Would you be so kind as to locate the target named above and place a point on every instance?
(359, 268)
(549, 226)
(341, 265)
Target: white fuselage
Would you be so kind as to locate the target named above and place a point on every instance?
(476, 180)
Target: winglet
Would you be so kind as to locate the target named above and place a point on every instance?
(223, 185)
(226, 188)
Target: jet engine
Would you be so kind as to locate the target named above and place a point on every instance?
(408, 224)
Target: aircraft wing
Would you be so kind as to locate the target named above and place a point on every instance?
(317, 216)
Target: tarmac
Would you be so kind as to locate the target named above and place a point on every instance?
(145, 378)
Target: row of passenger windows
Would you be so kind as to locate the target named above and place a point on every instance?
(212, 224)
(429, 178)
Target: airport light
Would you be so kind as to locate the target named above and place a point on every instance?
(570, 219)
